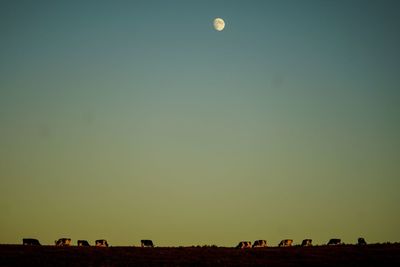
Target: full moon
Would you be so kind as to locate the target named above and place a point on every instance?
(219, 24)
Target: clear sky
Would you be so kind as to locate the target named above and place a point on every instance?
(127, 120)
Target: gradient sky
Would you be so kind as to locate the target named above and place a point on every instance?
(127, 120)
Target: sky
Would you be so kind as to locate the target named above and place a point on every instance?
(129, 120)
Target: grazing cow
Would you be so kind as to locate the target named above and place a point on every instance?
(306, 243)
(361, 241)
(101, 243)
(30, 242)
(286, 243)
(83, 243)
(63, 242)
(334, 242)
(244, 244)
(146, 244)
(260, 244)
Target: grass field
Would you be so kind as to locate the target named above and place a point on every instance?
(346, 255)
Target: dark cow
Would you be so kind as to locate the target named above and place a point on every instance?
(334, 242)
(244, 244)
(260, 244)
(30, 242)
(63, 242)
(83, 243)
(101, 243)
(361, 241)
(286, 243)
(146, 244)
(306, 243)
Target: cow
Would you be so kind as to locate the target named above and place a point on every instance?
(286, 243)
(334, 242)
(101, 243)
(260, 244)
(306, 243)
(244, 244)
(146, 244)
(83, 243)
(361, 241)
(63, 242)
(30, 242)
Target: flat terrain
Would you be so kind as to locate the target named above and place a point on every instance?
(347, 255)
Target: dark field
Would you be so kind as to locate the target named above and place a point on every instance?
(347, 255)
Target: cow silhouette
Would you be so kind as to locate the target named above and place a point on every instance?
(306, 243)
(63, 242)
(244, 244)
(334, 242)
(260, 244)
(146, 244)
(286, 243)
(83, 243)
(30, 242)
(101, 243)
(361, 241)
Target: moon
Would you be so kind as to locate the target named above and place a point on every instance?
(219, 24)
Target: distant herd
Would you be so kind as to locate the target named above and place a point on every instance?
(149, 243)
(66, 242)
(289, 243)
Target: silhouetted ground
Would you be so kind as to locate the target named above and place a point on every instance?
(348, 255)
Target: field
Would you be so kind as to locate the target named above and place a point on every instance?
(346, 255)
